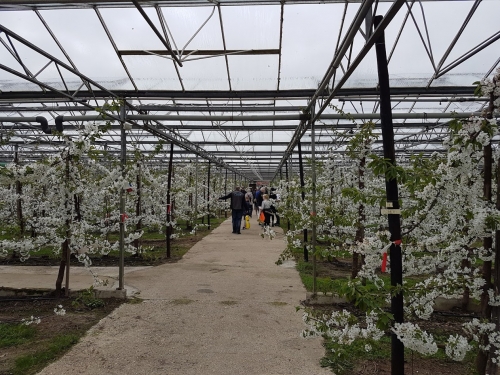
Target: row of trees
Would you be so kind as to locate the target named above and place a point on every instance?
(70, 202)
(450, 219)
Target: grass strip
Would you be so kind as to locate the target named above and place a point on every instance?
(13, 335)
(32, 363)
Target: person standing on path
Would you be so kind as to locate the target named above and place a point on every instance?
(257, 198)
(237, 207)
(249, 202)
(266, 208)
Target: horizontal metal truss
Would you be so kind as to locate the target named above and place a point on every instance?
(20, 96)
(81, 4)
(220, 125)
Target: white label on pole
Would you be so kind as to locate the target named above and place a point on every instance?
(390, 211)
(388, 204)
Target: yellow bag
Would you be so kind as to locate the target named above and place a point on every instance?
(247, 222)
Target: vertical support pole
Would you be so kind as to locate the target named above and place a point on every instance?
(169, 202)
(123, 162)
(225, 192)
(189, 222)
(195, 194)
(68, 223)
(19, 192)
(495, 315)
(287, 189)
(138, 207)
(391, 187)
(313, 213)
(303, 195)
(208, 196)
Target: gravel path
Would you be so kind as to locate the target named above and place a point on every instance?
(225, 308)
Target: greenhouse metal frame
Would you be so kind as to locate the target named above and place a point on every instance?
(238, 83)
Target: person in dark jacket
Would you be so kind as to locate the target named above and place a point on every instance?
(237, 207)
(275, 199)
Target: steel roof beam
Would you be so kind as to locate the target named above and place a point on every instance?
(239, 95)
(164, 41)
(79, 4)
(281, 127)
(209, 52)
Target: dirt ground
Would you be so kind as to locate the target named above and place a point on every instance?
(412, 367)
(78, 319)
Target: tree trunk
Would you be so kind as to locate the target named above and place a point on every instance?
(64, 264)
(466, 294)
(62, 267)
(20, 218)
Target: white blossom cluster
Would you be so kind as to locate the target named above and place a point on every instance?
(415, 338)
(59, 310)
(342, 327)
(31, 320)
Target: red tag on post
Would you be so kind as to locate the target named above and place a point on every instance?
(384, 262)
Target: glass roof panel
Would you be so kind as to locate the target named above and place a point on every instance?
(28, 26)
(443, 25)
(152, 72)
(253, 72)
(7, 59)
(187, 23)
(129, 29)
(309, 38)
(251, 27)
(472, 69)
(83, 38)
(205, 74)
(466, 107)
(365, 74)
(483, 24)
